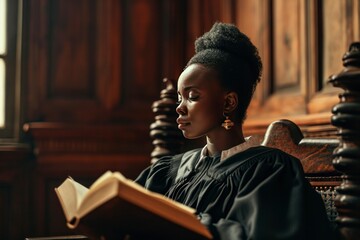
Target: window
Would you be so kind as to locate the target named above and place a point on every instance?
(10, 49)
(2, 63)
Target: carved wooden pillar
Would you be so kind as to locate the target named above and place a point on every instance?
(346, 117)
(167, 138)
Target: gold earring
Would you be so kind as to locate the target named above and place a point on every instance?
(227, 124)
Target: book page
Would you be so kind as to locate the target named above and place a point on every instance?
(99, 193)
(101, 179)
(105, 178)
(70, 194)
(80, 192)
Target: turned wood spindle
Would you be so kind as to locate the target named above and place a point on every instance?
(167, 138)
(346, 117)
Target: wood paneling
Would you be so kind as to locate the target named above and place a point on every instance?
(142, 45)
(338, 26)
(254, 18)
(334, 22)
(93, 68)
(85, 54)
(15, 216)
(105, 63)
(287, 44)
(174, 30)
(83, 152)
(200, 16)
(71, 31)
(297, 56)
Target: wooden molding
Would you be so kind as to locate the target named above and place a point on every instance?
(313, 125)
(87, 138)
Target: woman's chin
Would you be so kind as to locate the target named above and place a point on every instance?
(190, 136)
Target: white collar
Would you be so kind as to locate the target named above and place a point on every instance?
(249, 142)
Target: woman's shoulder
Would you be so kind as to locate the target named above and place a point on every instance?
(177, 158)
(160, 175)
(258, 157)
(265, 153)
(174, 162)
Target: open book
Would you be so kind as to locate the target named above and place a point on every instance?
(114, 206)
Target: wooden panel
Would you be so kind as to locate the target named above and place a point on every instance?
(287, 45)
(249, 12)
(313, 125)
(228, 11)
(338, 26)
(258, 13)
(355, 31)
(14, 192)
(202, 14)
(71, 54)
(54, 168)
(82, 151)
(334, 20)
(81, 138)
(142, 45)
(94, 61)
(62, 58)
(174, 58)
(283, 48)
(5, 206)
(108, 53)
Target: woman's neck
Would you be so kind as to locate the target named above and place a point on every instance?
(224, 140)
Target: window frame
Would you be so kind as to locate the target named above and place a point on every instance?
(12, 59)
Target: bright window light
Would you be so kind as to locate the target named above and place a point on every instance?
(2, 93)
(2, 27)
(2, 63)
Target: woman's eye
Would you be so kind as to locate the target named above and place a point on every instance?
(193, 98)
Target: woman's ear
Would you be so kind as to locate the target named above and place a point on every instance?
(230, 102)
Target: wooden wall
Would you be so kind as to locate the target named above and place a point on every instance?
(302, 44)
(92, 69)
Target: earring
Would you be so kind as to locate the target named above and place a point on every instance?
(227, 124)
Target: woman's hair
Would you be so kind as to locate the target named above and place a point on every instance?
(233, 56)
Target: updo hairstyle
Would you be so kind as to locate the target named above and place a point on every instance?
(233, 56)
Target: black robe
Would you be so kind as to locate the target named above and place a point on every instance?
(260, 193)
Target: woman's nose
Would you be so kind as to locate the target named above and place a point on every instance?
(180, 109)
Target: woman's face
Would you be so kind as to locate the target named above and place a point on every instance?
(201, 101)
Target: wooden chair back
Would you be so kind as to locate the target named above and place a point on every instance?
(315, 155)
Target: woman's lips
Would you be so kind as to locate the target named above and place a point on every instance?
(183, 125)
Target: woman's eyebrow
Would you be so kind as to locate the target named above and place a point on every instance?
(187, 88)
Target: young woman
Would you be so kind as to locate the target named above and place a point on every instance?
(240, 191)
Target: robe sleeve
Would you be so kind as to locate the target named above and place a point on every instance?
(274, 201)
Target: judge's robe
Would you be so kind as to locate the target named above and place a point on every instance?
(260, 193)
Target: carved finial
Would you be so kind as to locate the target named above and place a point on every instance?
(347, 156)
(352, 57)
(169, 91)
(167, 138)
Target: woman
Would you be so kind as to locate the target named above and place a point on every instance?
(240, 191)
